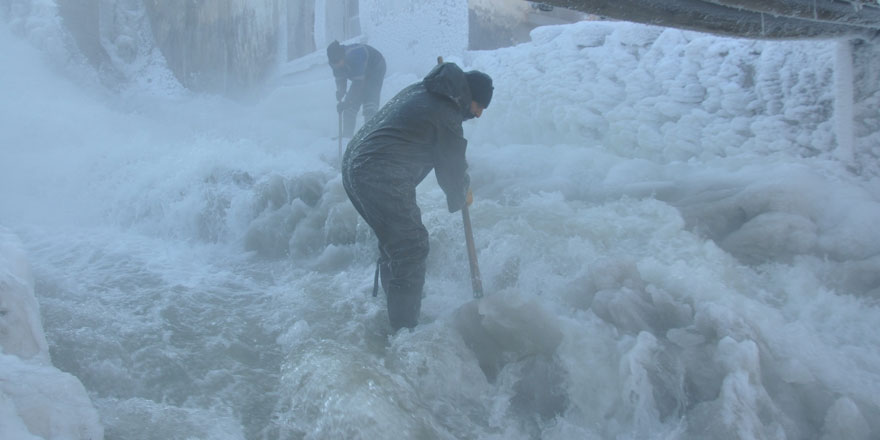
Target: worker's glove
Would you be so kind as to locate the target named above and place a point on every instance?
(340, 94)
(469, 198)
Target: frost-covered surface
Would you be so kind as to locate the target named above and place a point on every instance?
(21, 333)
(665, 95)
(125, 57)
(867, 101)
(656, 265)
(37, 401)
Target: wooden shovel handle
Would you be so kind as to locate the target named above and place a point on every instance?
(476, 280)
(339, 151)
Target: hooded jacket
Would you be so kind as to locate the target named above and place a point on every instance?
(417, 131)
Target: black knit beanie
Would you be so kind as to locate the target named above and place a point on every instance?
(481, 87)
(335, 52)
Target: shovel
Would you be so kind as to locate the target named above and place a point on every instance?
(476, 280)
(340, 140)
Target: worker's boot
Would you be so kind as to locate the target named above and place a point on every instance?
(403, 309)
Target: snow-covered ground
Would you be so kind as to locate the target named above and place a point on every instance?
(670, 244)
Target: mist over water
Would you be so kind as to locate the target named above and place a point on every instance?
(201, 271)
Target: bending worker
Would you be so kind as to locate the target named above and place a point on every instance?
(364, 66)
(417, 131)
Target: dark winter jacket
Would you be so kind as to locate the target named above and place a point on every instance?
(361, 61)
(417, 131)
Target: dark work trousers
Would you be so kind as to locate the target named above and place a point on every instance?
(388, 205)
(369, 98)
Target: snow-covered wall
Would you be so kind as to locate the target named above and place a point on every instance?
(221, 45)
(300, 29)
(21, 332)
(37, 401)
(228, 46)
(664, 83)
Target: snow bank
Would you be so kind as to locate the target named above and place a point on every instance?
(36, 399)
(663, 94)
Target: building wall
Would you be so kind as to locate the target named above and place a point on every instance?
(300, 28)
(216, 45)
